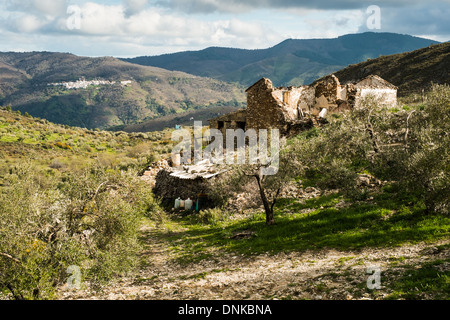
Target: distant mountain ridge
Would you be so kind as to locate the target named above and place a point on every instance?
(110, 92)
(106, 91)
(292, 62)
(411, 72)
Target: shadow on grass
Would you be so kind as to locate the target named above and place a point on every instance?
(325, 226)
(422, 282)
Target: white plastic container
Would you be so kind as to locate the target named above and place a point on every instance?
(323, 114)
(188, 204)
(177, 203)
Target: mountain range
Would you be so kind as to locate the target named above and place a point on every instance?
(104, 92)
(411, 72)
(292, 62)
(108, 92)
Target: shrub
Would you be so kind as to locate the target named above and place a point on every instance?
(409, 148)
(57, 164)
(90, 220)
(63, 145)
(213, 215)
(142, 149)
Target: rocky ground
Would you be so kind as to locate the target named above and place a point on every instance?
(324, 274)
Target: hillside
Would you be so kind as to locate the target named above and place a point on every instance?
(411, 72)
(184, 119)
(351, 225)
(66, 149)
(292, 62)
(37, 83)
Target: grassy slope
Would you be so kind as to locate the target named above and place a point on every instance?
(321, 224)
(56, 149)
(388, 219)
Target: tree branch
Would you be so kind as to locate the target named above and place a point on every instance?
(407, 130)
(372, 134)
(275, 198)
(10, 257)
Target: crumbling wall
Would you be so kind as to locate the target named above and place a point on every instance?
(150, 174)
(290, 97)
(384, 92)
(293, 108)
(286, 96)
(264, 109)
(306, 102)
(385, 97)
(235, 120)
(328, 91)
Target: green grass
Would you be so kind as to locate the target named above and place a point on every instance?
(361, 225)
(59, 149)
(420, 282)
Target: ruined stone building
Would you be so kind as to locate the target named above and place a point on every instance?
(290, 110)
(294, 109)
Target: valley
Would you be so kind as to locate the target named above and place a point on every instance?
(359, 204)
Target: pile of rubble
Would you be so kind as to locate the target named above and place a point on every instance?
(151, 173)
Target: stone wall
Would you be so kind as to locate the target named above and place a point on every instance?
(329, 88)
(169, 188)
(150, 174)
(380, 89)
(385, 97)
(307, 101)
(265, 110)
(232, 120)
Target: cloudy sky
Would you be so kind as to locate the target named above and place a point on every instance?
(128, 28)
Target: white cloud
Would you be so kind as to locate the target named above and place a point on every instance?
(161, 27)
(48, 8)
(52, 8)
(99, 19)
(236, 6)
(135, 6)
(28, 23)
(147, 27)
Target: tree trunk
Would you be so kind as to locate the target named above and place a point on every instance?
(269, 210)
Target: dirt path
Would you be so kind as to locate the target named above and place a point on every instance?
(324, 274)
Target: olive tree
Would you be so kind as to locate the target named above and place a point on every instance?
(47, 224)
(271, 175)
(407, 146)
